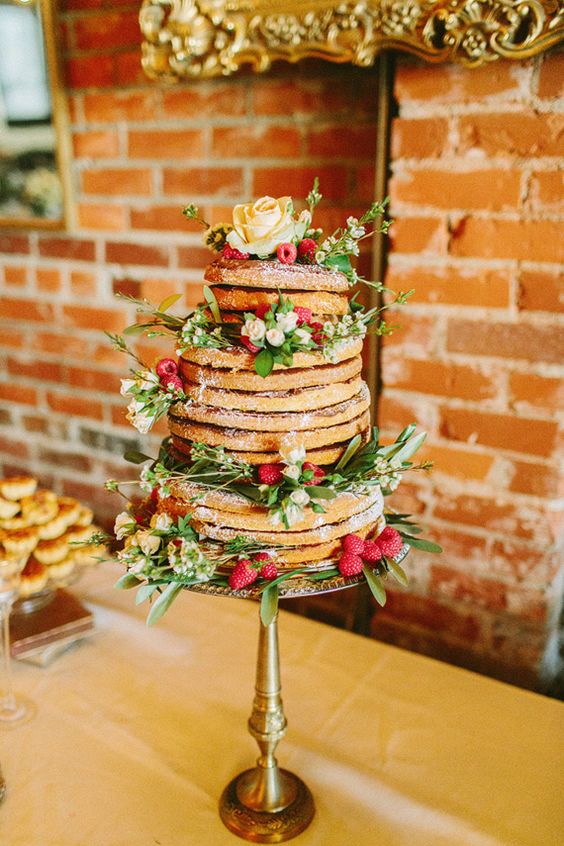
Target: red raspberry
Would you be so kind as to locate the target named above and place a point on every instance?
(249, 344)
(350, 564)
(270, 474)
(353, 544)
(372, 552)
(172, 383)
(230, 252)
(307, 249)
(262, 310)
(268, 571)
(318, 473)
(262, 556)
(304, 315)
(166, 367)
(287, 253)
(242, 574)
(390, 541)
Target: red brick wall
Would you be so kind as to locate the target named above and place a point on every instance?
(475, 201)
(477, 197)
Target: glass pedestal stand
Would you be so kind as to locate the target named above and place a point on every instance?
(268, 804)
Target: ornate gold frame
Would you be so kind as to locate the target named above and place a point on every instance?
(206, 38)
(60, 122)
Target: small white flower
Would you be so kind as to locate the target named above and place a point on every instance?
(254, 329)
(302, 336)
(292, 472)
(147, 380)
(126, 386)
(287, 322)
(142, 422)
(147, 542)
(161, 522)
(275, 337)
(292, 453)
(300, 497)
(123, 525)
(293, 513)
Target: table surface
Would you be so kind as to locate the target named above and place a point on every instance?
(139, 730)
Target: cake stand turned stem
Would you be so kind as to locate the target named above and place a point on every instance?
(267, 804)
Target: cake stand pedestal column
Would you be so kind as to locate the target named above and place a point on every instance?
(267, 804)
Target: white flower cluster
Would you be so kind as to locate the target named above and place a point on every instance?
(197, 332)
(337, 334)
(187, 559)
(150, 399)
(286, 324)
(293, 456)
(152, 551)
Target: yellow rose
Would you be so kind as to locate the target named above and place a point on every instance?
(260, 227)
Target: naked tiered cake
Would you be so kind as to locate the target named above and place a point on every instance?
(271, 468)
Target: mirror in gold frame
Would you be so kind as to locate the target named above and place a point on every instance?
(33, 125)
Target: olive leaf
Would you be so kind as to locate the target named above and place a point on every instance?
(163, 603)
(269, 604)
(375, 585)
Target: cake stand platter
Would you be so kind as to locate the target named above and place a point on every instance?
(268, 804)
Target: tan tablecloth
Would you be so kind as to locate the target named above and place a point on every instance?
(138, 731)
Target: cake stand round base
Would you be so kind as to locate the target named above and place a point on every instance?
(267, 826)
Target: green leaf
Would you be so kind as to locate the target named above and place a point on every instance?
(375, 585)
(419, 543)
(397, 572)
(163, 603)
(406, 433)
(269, 604)
(136, 329)
(264, 362)
(317, 509)
(319, 492)
(212, 303)
(144, 592)
(135, 457)
(353, 446)
(403, 450)
(127, 581)
(168, 302)
(342, 263)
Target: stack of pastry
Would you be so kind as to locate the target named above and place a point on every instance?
(44, 527)
(314, 404)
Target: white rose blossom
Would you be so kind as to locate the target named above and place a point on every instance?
(260, 227)
(300, 497)
(147, 380)
(302, 336)
(287, 322)
(126, 386)
(254, 329)
(148, 543)
(275, 337)
(123, 525)
(292, 453)
(292, 471)
(161, 522)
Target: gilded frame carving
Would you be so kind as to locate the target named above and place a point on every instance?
(206, 38)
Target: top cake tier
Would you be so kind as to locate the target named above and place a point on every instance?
(316, 403)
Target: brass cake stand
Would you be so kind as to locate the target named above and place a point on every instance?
(268, 804)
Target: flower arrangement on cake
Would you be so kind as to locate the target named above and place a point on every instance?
(271, 471)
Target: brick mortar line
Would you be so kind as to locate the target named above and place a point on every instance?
(430, 260)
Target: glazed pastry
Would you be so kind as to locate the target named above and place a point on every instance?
(69, 509)
(62, 569)
(20, 541)
(17, 487)
(34, 578)
(51, 551)
(8, 508)
(84, 517)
